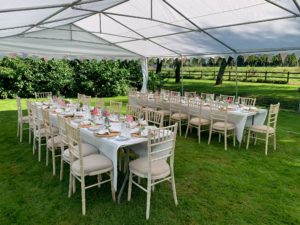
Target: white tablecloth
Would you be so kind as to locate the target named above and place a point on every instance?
(240, 119)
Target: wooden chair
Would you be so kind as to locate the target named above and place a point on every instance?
(227, 98)
(144, 101)
(177, 115)
(163, 106)
(219, 123)
(196, 119)
(247, 101)
(268, 130)
(191, 94)
(30, 119)
(207, 96)
(155, 118)
(82, 166)
(158, 165)
(133, 110)
(39, 134)
(86, 100)
(22, 120)
(115, 107)
(39, 95)
(100, 103)
(175, 93)
(53, 140)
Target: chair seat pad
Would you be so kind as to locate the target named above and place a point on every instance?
(93, 163)
(87, 149)
(179, 116)
(199, 121)
(41, 132)
(262, 129)
(148, 109)
(158, 168)
(221, 126)
(165, 112)
(25, 119)
(57, 140)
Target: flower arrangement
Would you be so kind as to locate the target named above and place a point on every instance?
(229, 100)
(129, 119)
(95, 111)
(105, 113)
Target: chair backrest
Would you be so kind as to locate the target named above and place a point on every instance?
(208, 96)
(155, 118)
(174, 93)
(175, 104)
(159, 102)
(36, 118)
(273, 115)
(43, 94)
(79, 97)
(161, 145)
(86, 100)
(29, 112)
(218, 112)
(195, 108)
(190, 94)
(100, 103)
(134, 111)
(47, 124)
(74, 145)
(115, 107)
(143, 99)
(19, 105)
(247, 101)
(227, 98)
(61, 124)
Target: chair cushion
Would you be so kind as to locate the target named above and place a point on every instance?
(41, 132)
(158, 168)
(25, 119)
(221, 126)
(165, 112)
(87, 149)
(179, 116)
(148, 109)
(56, 141)
(262, 129)
(198, 121)
(93, 163)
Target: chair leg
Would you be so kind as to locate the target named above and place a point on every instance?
(199, 134)
(18, 128)
(33, 146)
(234, 138)
(29, 141)
(83, 195)
(255, 139)
(47, 156)
(248, 139)
(267, 142)
(99, 179)
(61, 164)
(219, 137)
(70, 185)
(53, 162)
(209, 136)
(148, 198)
(274, 139)
(113, 193)
(74, 184)
(21, 132)
(179, 127)
(39, 153)
(187, 130)
(225, 140)
(129, 186)
(174, 188)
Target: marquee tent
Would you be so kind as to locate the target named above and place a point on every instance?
(149, 28)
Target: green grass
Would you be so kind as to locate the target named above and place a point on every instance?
(213, 186)
(266, 94)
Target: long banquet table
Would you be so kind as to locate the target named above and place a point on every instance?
(240, 118)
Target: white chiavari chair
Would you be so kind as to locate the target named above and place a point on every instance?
(83, 166)
(133, 110)
(158, 165)
(174, 93)
(196, 119)
(100, 103)
(22, 120)
(30, 119)
(177, 115)
(190, 94)
(155, 118)
(115, 107)
(268, 130)
(42, 95)
(207, 96)
(247, 101)
(219, 122)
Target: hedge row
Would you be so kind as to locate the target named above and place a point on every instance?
(23, 77)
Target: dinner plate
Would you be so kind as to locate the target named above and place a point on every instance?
(93, 128)
(121, 138)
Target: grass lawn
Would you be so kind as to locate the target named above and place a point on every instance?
(266, 94)
(213, 186)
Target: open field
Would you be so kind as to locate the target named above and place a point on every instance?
(213, 186)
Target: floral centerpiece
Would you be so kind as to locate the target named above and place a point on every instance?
(105, 114)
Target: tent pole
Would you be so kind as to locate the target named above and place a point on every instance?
(181, 72)
(236, 78)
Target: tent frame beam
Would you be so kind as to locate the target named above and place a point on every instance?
(281, 7)
(199, 29)
(144, 38)
(297, 5)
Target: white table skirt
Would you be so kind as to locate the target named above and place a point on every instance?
(238, 118)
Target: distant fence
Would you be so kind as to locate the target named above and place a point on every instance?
(247, 76)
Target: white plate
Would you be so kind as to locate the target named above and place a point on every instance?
(94, 128)
(121, 138)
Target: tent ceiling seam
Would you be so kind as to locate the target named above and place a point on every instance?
(142, 35)
(281, 7)
(199, 29)
(297, 5)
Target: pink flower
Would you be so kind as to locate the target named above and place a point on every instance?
(129, 119)
(105, 113)
(229, 100)
(95, 111)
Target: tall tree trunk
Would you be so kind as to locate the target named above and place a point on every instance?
(177, 70)
(158, 66)
(221, 72)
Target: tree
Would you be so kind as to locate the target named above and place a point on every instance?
(177, 64)
(291, 60)
(240, 60)
(223, 66)
(158, 65)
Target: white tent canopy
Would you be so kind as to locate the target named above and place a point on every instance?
(149, 28)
